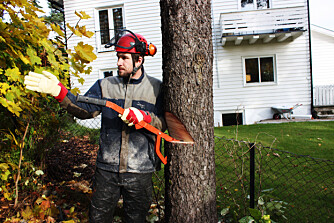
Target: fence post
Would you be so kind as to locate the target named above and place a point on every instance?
(252, 175)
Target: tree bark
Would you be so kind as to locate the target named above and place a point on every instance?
(187, 80)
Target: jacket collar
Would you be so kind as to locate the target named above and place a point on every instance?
(135, 81)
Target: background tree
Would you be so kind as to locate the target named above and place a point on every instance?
(56, 16)
(187, 77)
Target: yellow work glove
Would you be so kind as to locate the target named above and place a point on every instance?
(44, 83)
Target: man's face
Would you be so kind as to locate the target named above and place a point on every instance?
(124, 64)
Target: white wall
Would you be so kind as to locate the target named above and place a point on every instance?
(140, 17)
(322, 56)
(293, 72)
(293, 84)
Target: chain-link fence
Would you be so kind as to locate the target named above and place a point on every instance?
(289, 187)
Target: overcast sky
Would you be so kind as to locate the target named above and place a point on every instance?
(321, 12)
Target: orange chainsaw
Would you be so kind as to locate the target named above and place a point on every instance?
(174, 125)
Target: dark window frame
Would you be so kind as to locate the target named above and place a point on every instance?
(264, 74)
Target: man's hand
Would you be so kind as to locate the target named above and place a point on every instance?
(44, 83)
(132, 116)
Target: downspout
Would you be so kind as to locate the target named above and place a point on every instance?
(310, 52)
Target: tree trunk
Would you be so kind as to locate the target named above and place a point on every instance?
(187, 76)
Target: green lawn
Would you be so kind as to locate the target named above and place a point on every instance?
(304, 184)
(315, 139)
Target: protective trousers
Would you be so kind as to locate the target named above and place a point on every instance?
(135, 188)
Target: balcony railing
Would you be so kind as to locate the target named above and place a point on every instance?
(261, 23)
(323, 95)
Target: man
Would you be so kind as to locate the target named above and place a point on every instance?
(126, 157)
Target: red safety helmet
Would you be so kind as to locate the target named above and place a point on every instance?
(135, 43)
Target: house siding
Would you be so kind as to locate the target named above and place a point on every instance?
(322, 56)
(230, 94)
(136, 19)
(293, 83)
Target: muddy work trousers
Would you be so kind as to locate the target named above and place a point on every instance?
(135, 188)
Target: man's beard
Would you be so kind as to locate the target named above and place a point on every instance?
(125, 77)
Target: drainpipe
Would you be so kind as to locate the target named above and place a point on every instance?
(310, 51)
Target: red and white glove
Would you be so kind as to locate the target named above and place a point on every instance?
(132, 116)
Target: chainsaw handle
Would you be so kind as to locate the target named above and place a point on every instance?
(157, 150)
(95, 101)
(102, 102)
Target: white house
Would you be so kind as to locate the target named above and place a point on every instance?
(261, 51)
(322, 42)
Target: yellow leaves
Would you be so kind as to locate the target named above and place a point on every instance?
(52, 60)
(82, 15)
(81, 80)
(27, 213)
(4, 176)
(26, 47)
(73, 30)
(10, 93)
(11, 106)
(2, 39)
(57, 29)
(19, 3)
(69, 221)
(6, 193)
(3, 88)
(4, 171)
(33, 56)
(75, 91)
(47, 45)
(85, 52)
(80, 31)
(13, 74)
(23, 58)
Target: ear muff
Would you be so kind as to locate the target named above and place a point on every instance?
(152, 50)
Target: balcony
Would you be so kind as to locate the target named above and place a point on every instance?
(266, 25)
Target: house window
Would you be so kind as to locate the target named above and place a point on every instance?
(259, 69)
(104, 26)
(107, 73)
(109, 21)
(232, 119)
(254, 4)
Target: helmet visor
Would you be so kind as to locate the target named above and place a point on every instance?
(113, 42)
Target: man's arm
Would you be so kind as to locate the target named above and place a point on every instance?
(49, 84)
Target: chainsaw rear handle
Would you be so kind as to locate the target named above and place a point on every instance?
(140, 125)
(95, 101)
(102, 102)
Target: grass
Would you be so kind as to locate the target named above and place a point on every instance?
(80, 131)
(303, 138)
(304, 183)
(292, 180)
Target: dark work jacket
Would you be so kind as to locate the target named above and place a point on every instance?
(123, 148)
